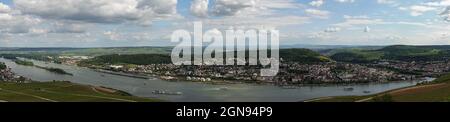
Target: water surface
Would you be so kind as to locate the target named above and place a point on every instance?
(197, 92)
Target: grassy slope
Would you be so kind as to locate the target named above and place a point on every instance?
(439, 91)
(62, 92)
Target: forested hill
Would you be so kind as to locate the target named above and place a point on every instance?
(138, 59)
(289, 55)
(396, 52)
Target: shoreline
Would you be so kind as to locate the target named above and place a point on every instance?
(225, 82)
(371, 96)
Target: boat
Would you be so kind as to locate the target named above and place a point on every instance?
(162, 92)
(289, 87)
(366, 92)
(349, 89)
(222, 89)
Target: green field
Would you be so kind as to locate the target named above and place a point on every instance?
(63, 92)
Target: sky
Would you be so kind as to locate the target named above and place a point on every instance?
(114, 23)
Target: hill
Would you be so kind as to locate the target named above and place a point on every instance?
(138, 59)
(302, 56)
(290, 55)
(396, 52)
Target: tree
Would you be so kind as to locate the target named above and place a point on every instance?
(2, 66)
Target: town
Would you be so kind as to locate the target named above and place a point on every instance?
(7, 75)
(291, 73)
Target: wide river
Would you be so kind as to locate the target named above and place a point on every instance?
(198, 92)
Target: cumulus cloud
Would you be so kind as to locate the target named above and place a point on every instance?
(232, 7)
(199, 8)
(65, 27)
(446, 14)
(439, 3)
(112, 35)
(418, 10)
(5, 17)
(160, 7)
(4, 8)
(14, 22)
(97, 11)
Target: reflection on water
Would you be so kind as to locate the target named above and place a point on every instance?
(197, 92)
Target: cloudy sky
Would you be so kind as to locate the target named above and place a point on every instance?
(104, 23)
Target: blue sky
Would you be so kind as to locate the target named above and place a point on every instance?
(104, 23)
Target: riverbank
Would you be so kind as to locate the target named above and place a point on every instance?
(225, 82)
(122, 74)
(50, 69)
(435, 91)
(217, 81)
(195, 91)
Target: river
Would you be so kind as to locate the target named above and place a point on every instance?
(197, 92)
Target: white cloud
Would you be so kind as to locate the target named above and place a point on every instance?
(199, 8)
(386, 1)
(356, 17)
(98, 11)
(232, 7)
(317, 13)
(332, 29)
(358, 20)
(4, 8)
(16, 23)
(439, 3)
(316, 3)
(277, 4)
(446, 14)
(250, 7)
(65, 27)
(345, 1)
(417, 10)
(5, 17)
(112, 35)
(256, 22)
